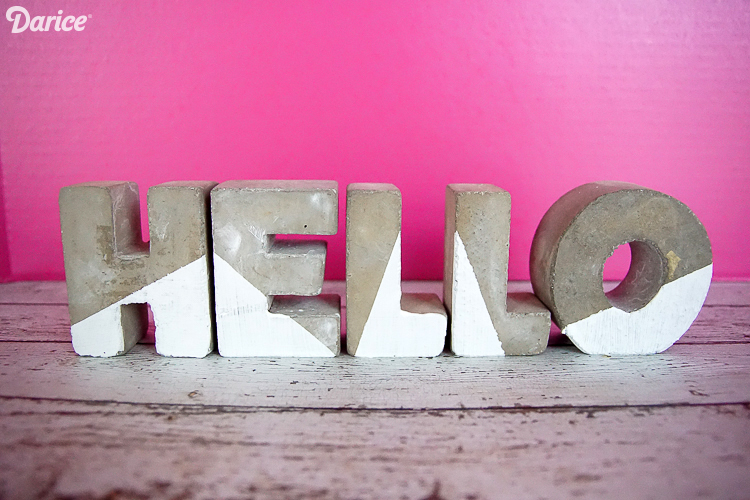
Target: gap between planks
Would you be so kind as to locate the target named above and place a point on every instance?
(561, 376)
(94, 407)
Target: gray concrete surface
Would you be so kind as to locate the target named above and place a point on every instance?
(105, 256)
(373, 224)
(247, 216)
(480, 213)
(582, 229)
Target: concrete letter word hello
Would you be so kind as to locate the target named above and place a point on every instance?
(485, 319)
(380, 320)
(111, 273)
(669, 276)
(251, 267)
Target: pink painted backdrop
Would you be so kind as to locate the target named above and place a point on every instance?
(536, 97)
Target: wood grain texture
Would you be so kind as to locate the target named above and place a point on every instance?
(34, 292)
(729, 293)
(34, 323)
(559, 425)
(719, 324)
(64, 450)
(561, 376)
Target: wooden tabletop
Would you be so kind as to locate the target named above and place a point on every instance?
(559, 425)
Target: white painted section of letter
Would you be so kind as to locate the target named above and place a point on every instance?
(245, 327)
(472, 331)
(651, 329)
(100, 334)
(182, 314)
(392, 332)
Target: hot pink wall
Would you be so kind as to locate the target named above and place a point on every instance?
(536, 97)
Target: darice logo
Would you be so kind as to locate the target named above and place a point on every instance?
(22, 21)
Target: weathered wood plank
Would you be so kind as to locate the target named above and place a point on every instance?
(33, 292)
(65, 450)
(258, 440)
(716, 324)
(729, 293)
(562, 376)
(34, 322)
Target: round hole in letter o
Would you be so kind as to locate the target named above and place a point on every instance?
(670, 270)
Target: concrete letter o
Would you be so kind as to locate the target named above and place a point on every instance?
(662, 293)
